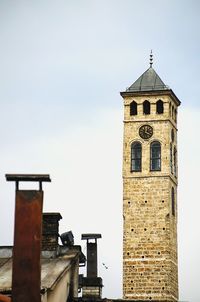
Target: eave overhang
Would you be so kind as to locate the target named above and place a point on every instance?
(152, 92)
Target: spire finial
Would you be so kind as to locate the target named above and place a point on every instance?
(151, 58)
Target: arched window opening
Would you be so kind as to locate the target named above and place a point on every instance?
(159, 107)
(171, 159)
(173, 112)
(172, 135)
(136, 157)
(175, 161)
(146, 107)
(173, 201)
(170, 109)
(133, 108)
(175, 115)
(155, 155)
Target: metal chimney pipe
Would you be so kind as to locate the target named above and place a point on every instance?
(92, 271)
(92, 284)
(26, 277)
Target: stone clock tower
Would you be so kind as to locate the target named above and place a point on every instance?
(150, 190)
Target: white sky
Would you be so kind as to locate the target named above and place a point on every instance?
(62, 65)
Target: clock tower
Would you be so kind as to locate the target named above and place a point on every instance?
(150, 180)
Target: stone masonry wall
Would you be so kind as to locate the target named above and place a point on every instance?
(150, 228)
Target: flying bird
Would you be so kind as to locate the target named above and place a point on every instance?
(106, 267)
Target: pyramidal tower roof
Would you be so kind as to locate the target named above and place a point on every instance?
(148, 81)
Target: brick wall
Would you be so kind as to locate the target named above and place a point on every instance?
(50, 231)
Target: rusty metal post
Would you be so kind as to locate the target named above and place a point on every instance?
(4, 298)
(27, 246)
(26, 276)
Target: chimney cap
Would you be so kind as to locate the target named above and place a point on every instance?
(28, 177)
(52, 214)
(90, 236)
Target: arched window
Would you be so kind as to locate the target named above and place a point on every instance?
(136, 157)
(155, 156)
(159, 107)
(146, 107)
(175, 115)
(173, 201)
(171, 159)
(170, 109)
(173, 112)
(133, 108)
(172, 135)
(175, 161)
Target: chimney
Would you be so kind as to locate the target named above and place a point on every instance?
(4, 298)
(50, 231)
(26, 275)
(92, 284)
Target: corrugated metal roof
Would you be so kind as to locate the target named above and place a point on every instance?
(3, 260)
(6, 275)
(51, 271)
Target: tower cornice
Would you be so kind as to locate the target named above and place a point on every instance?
(142, 121)
(145, 176)
(152, 93)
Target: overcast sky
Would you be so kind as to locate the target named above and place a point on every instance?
(62, 66)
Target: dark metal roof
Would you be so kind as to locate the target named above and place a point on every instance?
(90, 236)
(148, 81)
(51, 215)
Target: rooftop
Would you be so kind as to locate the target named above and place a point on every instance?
(148, 81)
(52, 269)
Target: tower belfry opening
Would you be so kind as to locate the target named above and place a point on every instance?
(150, 268)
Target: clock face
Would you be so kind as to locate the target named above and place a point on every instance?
(145, 131)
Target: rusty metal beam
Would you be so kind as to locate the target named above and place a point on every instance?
(4, 298)
(26, 276)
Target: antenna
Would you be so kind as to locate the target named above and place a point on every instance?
(151, 58)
